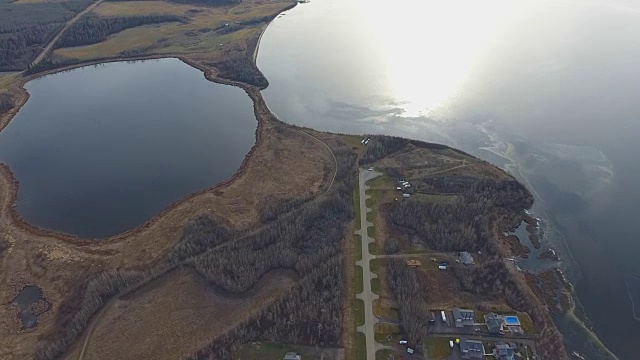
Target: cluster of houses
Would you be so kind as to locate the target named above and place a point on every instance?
(474, 349)
(496, 324)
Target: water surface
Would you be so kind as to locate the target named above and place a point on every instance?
(28, 296)
(548, 90)
(101, 149)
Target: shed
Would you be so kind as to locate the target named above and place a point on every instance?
(413, 263)
(466, 258)
(292, 356)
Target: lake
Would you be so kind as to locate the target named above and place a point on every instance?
(101, 149)
(548, 90)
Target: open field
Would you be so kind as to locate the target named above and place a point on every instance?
(203, 33)
(174, 315)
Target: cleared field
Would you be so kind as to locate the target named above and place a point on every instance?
(276, 351)
(174, 316)
(436, 348)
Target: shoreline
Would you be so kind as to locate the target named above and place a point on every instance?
(261, 112)
(5, 172)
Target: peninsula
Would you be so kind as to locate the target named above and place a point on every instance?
(321, 245)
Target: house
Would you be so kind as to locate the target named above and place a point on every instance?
(495, 323)
(471, 349)
(504, 351)
(464, 317)
(292, 356)
(466, 258)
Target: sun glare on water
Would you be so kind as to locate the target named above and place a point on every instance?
(430, 47)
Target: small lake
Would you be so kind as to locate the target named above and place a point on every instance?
(101, 149)
(28, 296)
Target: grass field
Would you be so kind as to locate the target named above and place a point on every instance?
(198, 36)
(276, 351)
(361, 346)
(173, 316)
(436, 348)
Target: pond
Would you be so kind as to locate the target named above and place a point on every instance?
(27, 297)
(101, 149)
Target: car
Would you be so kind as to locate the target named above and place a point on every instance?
(370, 169)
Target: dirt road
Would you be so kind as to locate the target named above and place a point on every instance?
(55, 39)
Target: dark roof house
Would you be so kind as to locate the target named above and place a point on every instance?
(464, 317)
(505, 351)
(471, 349)
(495, 323)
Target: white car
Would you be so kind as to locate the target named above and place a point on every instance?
(370, 169)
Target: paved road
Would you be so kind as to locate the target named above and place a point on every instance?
(367, 295)
(69, 23)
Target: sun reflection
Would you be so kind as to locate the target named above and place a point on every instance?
(430, 47)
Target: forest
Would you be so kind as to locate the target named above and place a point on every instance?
(404, 285)
(91, 29)
(241, 69)
(26, 27)
(301, 234)
(6, 102)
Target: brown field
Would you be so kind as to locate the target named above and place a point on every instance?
(198, 36)
(174, 316)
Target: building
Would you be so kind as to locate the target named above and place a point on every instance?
(505, 351)
(464, 317)
(292, 356)
(471, 349)
(466, 258)
(495, 323)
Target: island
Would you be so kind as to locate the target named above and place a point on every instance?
(321, 245)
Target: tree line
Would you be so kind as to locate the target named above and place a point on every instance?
(93, 29)
(6, 102)
(412, 308)
(26, 27)
(241, 69)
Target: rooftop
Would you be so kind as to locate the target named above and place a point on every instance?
(466, 258)
(471, 349)
(292, 356)
(505, 351)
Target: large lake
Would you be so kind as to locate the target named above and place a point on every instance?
(549, 90)
(101, 149)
